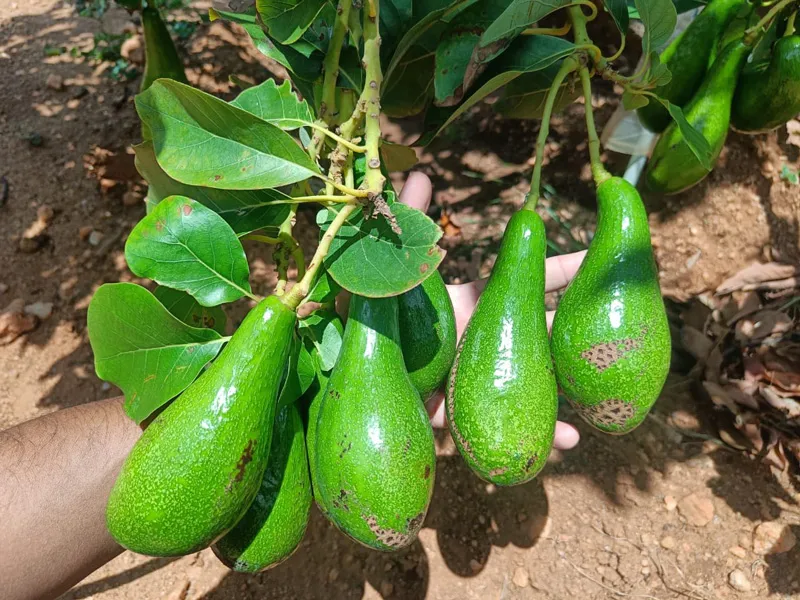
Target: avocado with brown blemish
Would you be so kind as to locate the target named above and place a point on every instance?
(427, 334)
(502, 399)
(273, 526)
(610, 338)
(198, 466)
(374, 458)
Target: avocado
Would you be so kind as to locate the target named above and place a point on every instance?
(313, 400)
(769, 96)
(161, 56)
(200, 463)
(502, 399)
(673, 167)
(276, 521)
(610, 338)
(374, 456)
(427, 334)
(688, 57)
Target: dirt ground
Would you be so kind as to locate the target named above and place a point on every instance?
(666, 512)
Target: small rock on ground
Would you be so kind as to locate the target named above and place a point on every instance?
(668, 543)
(521, 577)
(43, 310)
(773, 538)
(739, 581)
(697, 509)
(738, 551)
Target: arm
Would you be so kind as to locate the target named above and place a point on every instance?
(55, 476)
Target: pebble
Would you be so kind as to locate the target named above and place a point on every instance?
(387, 588)
(739, 581)
(773, 538)
(3, 288)
(738, 551)
(668, 543)
(697, 509)
(42, 310)
(95, 237)
(29, 245)
(670, 503)
(475, 566)
(85, 231)
(333, 574)
(14, 322)
(131, 198)
(55, 82)
(132, 50)
(521, 577)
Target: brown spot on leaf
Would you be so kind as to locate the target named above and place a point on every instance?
(423, 268)
(217, 177)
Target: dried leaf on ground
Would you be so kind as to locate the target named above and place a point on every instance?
(755, 274)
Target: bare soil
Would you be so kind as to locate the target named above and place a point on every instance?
(666, 512)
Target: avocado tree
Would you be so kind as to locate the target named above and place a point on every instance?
(223, 461)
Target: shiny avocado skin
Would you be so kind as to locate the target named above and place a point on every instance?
(502, 399)
(161, 56)
(673, 167)
(374, 455)
(687, 58)
(768, 97)
(427, 334)
(610, 338)
(199, 464)
(316, 394)
(273, 526)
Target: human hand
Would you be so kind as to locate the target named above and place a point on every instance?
(560, 270)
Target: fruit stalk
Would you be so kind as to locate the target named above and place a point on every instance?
(598, 170)
(753, 34)
(372, 95)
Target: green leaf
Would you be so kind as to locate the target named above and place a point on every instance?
(659, 18)
(397, 157)
(633, 101)
(526, 55)
(525, 96)
(368, 258)
(325, 289)
(431, 17)
(301, 369)
(143, 349)
(202, 140)
(324, 329)
(276, 104)
(190, 311)
(305, 69)
(185, 246)
(516, 18)
(411, 88)
(618, 9)
(287, 20)
(697, 143)
(243, 210)
(659, 73)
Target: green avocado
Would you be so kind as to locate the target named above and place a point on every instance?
(688, 57)
(610, 339)
(769, 96)
(199, 464)
(427, 334)
(374, 456)
(673, 167)
(502, 399)
(161, 57)
(275, 523)
(313, 400)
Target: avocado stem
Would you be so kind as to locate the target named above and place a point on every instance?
(790, 25)
(556, 31)
(330, 67)
(598, 170)
(568, 66)
(752, 35)
(374, 178)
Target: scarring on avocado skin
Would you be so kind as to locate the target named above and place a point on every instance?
(610, 338)
(199, 464)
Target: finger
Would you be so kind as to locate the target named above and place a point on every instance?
(464, 297)
(559, 270)
(417, 191)
(435, 408)
(567, 437)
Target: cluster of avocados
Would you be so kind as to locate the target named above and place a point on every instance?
(229, 465)
(719, 81)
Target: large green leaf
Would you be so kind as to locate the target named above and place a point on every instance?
(618, 9)
(185, 246)
(143, 349)
(367, 257)
(325, 289)
(659, 18)
(304, 69)
(697, 143)
(324, 329)
(301, 369)
(190, 311)
(518, 16)
(274, 103)
(526, 55)
(396, 16)
(396, 157)
(202, 140)
(525, 96)
(244, 210)
(287, 20)
(411, 88)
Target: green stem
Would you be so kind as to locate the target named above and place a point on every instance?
(261, 238)
(790, 25)
(347, 144)
(754, 33)
(300, 291)
(374, 179)
(568, 66)
(598, 170)
(556, 31)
